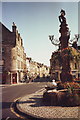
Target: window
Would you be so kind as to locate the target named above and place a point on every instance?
(73, 72)
(24, 66)
(18, 64)
(2, 50)
(21, 65)
(1, 62)
(75, 66)
(74, 76)
(0, 69)
(78, 75)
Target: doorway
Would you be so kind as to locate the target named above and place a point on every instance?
(14, 78)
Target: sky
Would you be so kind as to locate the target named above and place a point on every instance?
(36, 21)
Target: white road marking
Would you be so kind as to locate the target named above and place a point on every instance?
(12, 110)
(7, 118)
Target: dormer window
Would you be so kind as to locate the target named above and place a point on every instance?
(18, 36)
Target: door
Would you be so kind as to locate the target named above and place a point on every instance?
(3, 78)
(14, 78)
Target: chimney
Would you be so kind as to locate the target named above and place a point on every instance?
(14, 27)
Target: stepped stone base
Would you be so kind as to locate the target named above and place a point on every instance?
(61, 98)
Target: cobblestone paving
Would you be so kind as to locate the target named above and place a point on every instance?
(32, 104)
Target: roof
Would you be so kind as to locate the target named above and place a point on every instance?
(4, 27)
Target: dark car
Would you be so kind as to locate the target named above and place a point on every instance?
(25, 79)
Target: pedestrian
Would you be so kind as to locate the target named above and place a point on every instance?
(54, 83)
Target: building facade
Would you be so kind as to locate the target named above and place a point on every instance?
(35, 69)
(56, 64)
(13, 56)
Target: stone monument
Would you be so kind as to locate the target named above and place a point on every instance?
(67, 91)
(64, 40)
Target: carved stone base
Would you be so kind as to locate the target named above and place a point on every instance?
(54, 98)
(66, 77)
(61, 98)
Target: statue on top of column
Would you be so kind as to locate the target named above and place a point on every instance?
(62, 19)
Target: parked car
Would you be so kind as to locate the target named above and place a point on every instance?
(25, 79)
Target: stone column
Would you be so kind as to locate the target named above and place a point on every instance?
(64, 40)
(11, 79)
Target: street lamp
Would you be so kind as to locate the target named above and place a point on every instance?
(56, 42)
(75, 39)
(53, 40)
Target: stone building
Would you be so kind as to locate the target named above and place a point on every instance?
(13, 56)
(44, 70)
(56, 64)
(35, 69)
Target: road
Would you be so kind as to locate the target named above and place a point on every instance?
(10, 93)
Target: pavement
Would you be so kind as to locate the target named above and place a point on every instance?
(32, 106)
(17, 84)
(8, 85)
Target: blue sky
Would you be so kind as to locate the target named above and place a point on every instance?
(36, 21)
